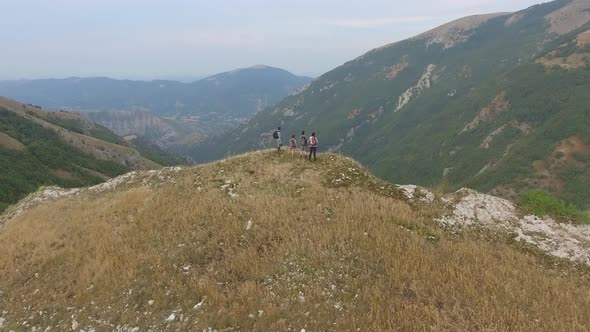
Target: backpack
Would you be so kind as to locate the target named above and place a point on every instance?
(304, 141)
(313, 141)
(275, 134)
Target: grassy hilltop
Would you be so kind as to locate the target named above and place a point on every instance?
(266, 243)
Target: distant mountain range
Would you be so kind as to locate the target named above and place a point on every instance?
(239, 92)
(497, 102)
(167, 113)
(40, 147)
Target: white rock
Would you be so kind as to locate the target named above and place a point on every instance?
(151, 302)
(249, 225)
(566, 241)
(301, 298)
(75, 325)
(200, 304)
(171, 318)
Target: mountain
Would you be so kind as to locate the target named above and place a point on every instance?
(174, 114)
(495, 102)
(239, 92)
(266, 243)
(40, 147)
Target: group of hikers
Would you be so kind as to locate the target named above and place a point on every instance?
(309, 147)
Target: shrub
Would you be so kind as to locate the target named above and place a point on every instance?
(543, 203)
(582, 157)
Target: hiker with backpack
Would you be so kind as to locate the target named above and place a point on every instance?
(277, 136)
(304, 144)
(292, 145)
(313, 146)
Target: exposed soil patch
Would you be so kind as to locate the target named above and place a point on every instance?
(569, 148)
(394, 71)
(547, 171)
(353, 114)
(10, 143)
(130, 138)
(497, 105)
(60, 173)
(576, 60)
(583, 39)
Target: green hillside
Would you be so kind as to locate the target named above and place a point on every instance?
(40, 148)
(485, 101)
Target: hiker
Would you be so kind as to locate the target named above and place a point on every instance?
(292, 145)
(304, 144)
(277, 136)
(313, 146)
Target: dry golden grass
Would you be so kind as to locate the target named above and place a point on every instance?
(10, 143)
(321, 254)
(574, 61)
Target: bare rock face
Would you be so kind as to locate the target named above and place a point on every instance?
(125, 123)
(471, 209)
(423, 83)
(474, 209)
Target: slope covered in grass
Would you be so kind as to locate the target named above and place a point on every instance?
(267, 243)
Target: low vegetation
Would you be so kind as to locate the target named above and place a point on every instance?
(46, 160)
(542, 203)
(267, 243)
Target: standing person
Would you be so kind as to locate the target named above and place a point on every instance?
(292, 145)
(277, 136)
(304, 144)
(313, 146)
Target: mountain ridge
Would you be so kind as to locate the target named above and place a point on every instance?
(403, 109)
(168, 114)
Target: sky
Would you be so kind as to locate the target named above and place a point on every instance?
(184, 39)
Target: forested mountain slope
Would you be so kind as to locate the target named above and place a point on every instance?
(497, 102)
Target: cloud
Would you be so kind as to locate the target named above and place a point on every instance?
(375, 22)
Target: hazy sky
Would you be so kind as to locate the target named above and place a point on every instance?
(145, 39)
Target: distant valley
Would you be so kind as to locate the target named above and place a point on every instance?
(172, 115)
